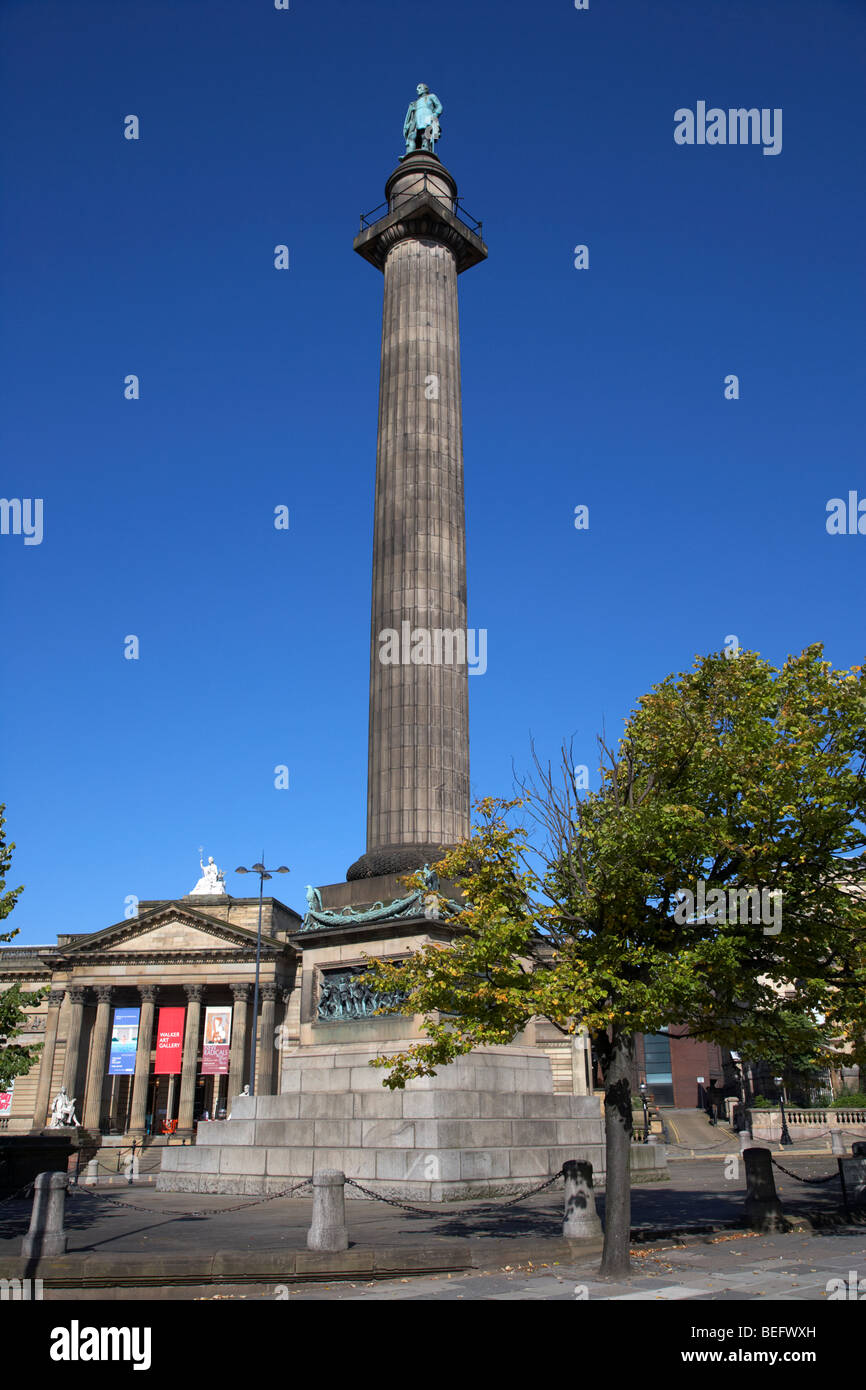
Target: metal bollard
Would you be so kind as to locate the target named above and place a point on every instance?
(858, 1149)
(329, 1230)
(763, 1208)
(582, 1220)
(46, 1235)
(837, 1143)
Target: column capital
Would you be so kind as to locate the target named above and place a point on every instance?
(193, 992)
(241, 991)
(55, 998)
(76, 994)
(148, 992)
(104, 993)
(269, 992)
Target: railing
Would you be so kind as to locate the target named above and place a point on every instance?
(762, 1118)
(470, 223)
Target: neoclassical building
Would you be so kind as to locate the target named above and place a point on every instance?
(194, 954)
(182, 960)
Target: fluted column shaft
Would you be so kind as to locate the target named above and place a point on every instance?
(96, 1074)
(46, 1066)
(418, 783)
(73, 1041)
(189, 1069)
(238, 1053)
(265, 1078)
(142, 1061)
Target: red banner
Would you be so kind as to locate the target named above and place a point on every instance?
(169, 1042)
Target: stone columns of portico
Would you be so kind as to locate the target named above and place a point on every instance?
(239, 1039)
(265, 1078)
(96, 1077)
(190, 1061)
(73, 1040)
(142, 1062)
(46, 1066)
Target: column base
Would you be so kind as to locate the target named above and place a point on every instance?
(394, 859)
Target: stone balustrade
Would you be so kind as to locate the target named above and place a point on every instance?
(806, 1123)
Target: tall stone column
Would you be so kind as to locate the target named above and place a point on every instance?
(237, 1056)
(46, 1061)
(140, 1081)
(265, 1051)
(418, 752)
(73, 1040)
(189, 1071)
(98, 1049)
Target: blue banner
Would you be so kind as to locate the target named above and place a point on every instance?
(124, 1042)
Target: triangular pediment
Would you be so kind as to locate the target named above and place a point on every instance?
(169, 930)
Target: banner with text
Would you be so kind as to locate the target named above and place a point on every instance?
(169, 1041)
(124, 1041)
(217, 1039)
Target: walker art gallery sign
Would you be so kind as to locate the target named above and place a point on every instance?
(169, 1042)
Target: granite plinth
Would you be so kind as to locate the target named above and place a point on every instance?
(486, 1125)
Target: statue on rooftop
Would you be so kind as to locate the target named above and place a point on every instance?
(421, 127)
(212, 881)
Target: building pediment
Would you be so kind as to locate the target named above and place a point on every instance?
(169, 931)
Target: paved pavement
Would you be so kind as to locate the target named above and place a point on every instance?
(736, 1266)
(698, 1194)
(153, 1244)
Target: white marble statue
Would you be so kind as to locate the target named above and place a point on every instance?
(212, 881)
(63, 1111)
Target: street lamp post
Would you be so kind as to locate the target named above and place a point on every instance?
(785, 1136)
(263, 873)
(645, 1112)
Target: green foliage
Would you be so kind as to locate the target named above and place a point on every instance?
(15, 1060)
(761, 1103)
(735, 773)
(855, 1100)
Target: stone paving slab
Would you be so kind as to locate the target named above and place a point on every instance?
(159, 1241)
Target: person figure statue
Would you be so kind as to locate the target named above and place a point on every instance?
(421, 127)
(212, 881)
(63, 1111)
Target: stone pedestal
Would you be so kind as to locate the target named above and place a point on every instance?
(485, 1125)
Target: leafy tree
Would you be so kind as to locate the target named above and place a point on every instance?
(739, 775)
(15, 1060)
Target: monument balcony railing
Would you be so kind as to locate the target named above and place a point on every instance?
(423, 184)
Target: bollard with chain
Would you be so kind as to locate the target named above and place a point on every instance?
(746, 1141)
(858, 1150)
(581, 1216)
(837, 1144)
(46, 1235)
(329, 1230)
(763, 1208)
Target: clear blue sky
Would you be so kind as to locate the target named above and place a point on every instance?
(259, 387)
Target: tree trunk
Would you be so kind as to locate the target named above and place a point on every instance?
(617, 1063)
